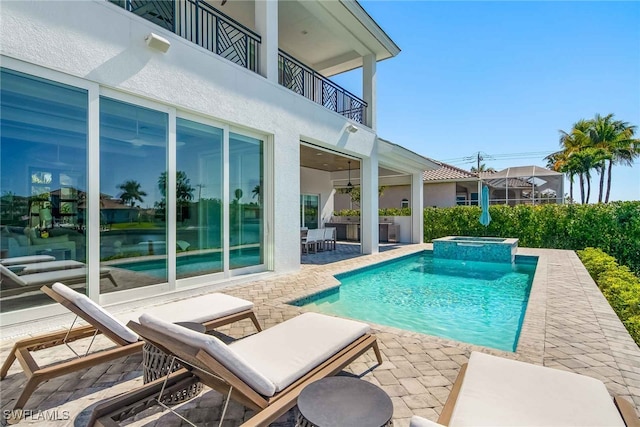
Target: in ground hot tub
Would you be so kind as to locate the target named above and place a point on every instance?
(489, 249)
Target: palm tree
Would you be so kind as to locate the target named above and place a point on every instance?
(572, 143)
(615, 139)
(131, 192)
(482, 168)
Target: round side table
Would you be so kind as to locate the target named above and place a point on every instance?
(344, 402)
(156, 364)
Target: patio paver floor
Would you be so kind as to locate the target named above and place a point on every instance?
(568, 325)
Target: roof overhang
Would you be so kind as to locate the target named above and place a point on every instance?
(399, 158)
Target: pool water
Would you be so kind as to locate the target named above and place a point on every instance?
(188, 265)
(470, 301)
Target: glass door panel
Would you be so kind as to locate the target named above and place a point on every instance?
(133, 217)
(198, 199)
(309, 207)
(246, 214)
(43, 177)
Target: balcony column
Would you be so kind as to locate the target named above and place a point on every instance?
(369, 89)
(369, 203)
(417, 208)
(266, 12)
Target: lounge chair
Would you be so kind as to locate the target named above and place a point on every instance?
(265, 372)
(26, 259)
(212, 310)
(44, 267)
(13, 284)
(493, 391)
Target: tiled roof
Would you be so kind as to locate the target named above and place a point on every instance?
(446, 172)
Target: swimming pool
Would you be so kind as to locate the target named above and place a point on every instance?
(475, 302)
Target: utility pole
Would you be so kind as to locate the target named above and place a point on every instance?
(480, 158)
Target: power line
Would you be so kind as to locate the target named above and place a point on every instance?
(505, 156)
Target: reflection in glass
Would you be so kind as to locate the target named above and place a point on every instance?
(198, 199)
(246, 217)
(43, 177)
(133, 217)
(309, 210)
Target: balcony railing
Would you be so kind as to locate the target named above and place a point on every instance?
(301, 79)
(202, 24)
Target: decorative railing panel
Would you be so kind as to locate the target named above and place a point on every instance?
(202, 24)
(303, 80)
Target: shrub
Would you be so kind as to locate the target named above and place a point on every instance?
(612, 227)
(381, 212)
(618, 284)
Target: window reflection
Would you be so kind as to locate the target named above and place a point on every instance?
(43, 145)
(198, 199)
(133, 217)
(246, 217)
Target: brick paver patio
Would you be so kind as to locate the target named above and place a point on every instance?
(568, 325)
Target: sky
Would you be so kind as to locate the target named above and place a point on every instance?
(502, 78)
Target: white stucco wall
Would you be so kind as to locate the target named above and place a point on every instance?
(441, 195)
(313, 181)
(102, 43)
(392, 196)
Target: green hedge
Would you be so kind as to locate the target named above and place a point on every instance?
(612, 227)
(381, 212)
(618, 284)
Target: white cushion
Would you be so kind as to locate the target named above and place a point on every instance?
(417, 421)
(503, 392)
(27, 259)
(212, 345)
(48, 266)
(198, 309)
(290, 349)
(94, 310)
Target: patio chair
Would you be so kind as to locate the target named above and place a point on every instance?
(12, 284)
(313, 238)
(329, 238)
(493, 391)
(212, 311)
(265, 372)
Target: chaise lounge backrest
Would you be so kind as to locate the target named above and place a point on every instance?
(181, 337)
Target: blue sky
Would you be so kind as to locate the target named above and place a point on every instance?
(503, 77)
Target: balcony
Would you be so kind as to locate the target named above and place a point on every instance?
(204, 25)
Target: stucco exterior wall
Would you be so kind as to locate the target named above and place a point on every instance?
(392, 196)
(100, 42)
(441, 195)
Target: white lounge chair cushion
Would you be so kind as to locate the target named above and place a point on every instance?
(290, 349)
(503, 392)
(27, 259)
(197, 309)
(94, 310)
(417, 421)
(212, 345)
(46, 267)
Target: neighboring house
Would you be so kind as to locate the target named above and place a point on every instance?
(100, 97)
(447, 186)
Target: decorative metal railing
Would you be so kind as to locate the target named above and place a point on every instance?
(301, 79)
(202, 24)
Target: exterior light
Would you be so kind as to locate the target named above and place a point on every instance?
(349, 185)
(157, 42)
(352, 129)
